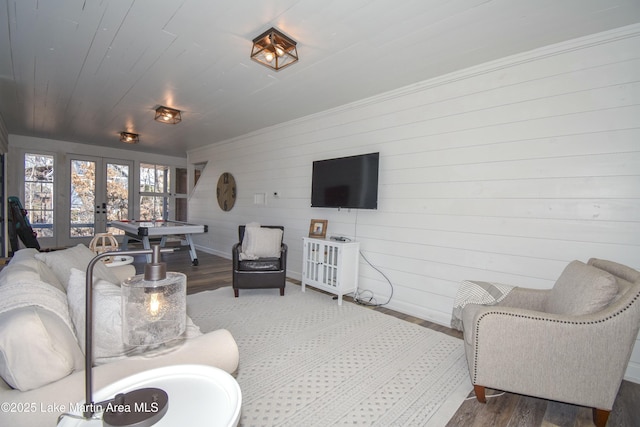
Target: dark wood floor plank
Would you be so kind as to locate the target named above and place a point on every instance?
(508, 410)
(559, 414)
(528, 412)
(626, 408)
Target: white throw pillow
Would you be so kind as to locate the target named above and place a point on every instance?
(262, 242)
(36, 348)
(245, 239)
(79, 256)
(107, 319)
(108, 344)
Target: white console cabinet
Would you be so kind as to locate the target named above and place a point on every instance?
(330, 265)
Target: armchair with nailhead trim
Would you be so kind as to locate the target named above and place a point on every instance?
(571, 343)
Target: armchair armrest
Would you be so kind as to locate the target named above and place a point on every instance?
(235, 255)
(283, 256)
(526, 298)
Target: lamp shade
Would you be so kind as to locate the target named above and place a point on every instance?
(153, 311)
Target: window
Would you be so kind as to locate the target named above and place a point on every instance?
(83, 198)
(154, 192)
(181, 195)
(38, 192)
(117, 195)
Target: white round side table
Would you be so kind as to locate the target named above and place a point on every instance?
(119, 260)
(199, 395)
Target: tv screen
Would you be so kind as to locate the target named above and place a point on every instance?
(346, 182)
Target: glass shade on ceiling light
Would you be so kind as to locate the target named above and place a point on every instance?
(129, 138)
(168, 115)
(274, 50)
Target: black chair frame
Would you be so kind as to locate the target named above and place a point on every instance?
(263, 273)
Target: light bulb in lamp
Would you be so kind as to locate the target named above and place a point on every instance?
(268, 56)
(154, 305)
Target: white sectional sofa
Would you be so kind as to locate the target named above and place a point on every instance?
(41, 358)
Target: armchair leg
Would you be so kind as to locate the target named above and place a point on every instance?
(480, 393)
(600, 417)
(281, 292)
(235, 292)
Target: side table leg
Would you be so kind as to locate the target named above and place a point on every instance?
(146, 245)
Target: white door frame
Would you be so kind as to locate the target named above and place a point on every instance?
(63, 214)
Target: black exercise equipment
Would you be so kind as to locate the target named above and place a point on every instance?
(19, 226)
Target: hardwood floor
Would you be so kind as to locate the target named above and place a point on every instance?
(506, 410)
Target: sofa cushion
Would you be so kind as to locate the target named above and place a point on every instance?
(36, 348)
(79, 256)
(25, 261)
(29, 269)
(14, 272)
(581, 289)
(23, 254)
(108, 344)
(261, 242)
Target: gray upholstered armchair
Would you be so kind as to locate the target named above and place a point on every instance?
(571, 343)
(259, 258)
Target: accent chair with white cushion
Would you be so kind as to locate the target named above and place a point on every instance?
(571, 343)
(259, 258)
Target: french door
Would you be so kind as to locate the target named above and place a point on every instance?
(100, 191)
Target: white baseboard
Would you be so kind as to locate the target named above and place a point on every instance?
(226, 255)
(437, 317)
(632, 373)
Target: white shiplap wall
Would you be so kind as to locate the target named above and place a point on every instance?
(503, 172)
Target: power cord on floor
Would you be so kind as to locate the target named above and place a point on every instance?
(488, 396)
(360, 299)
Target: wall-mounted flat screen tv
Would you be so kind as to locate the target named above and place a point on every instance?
(346, 182)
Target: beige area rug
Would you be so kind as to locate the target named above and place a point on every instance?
(305, 361)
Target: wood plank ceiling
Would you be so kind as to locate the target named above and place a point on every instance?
(83, 71)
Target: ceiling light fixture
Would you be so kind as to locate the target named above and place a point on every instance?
(129, 138)
(274, 50)
(167, 115)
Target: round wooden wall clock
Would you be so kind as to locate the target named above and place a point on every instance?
(226, 191)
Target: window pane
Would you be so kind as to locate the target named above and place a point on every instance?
(181, 181)
(117, 195)
(153, 208)
(38, 192)
(154, 178)
(181, 209)
(83, 183)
